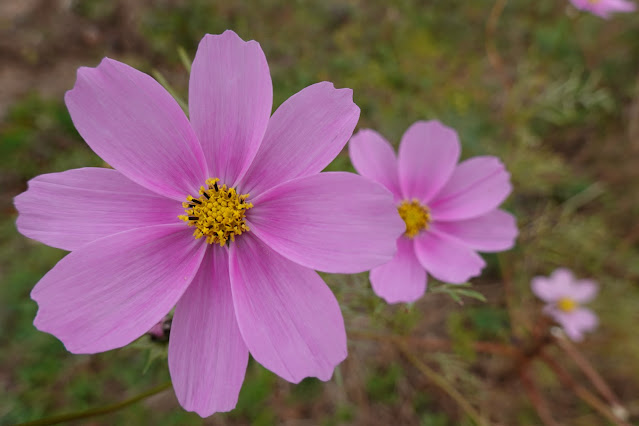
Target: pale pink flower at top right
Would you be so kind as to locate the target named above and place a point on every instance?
(604, 8)
(564, 296)
(450, 210)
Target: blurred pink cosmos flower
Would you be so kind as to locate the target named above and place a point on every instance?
(604, 8)
(239, 268)
(564, 296)
(449, 209)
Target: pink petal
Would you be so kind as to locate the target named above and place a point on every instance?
(73, 208)
(304, 135)
(563, 278)
(428, 153)
(604, 8)
(491, 232)
(111, 291)
(334, 222)
(207, 355)
(447, 259)
(130, 121)
(230, 101)
(477, 186)
(288, 316)
(403, 279)
(546, 289)
(373, 157)
(583, 291)
(575, 323)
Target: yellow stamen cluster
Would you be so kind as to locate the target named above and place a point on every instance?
(218, 213)
(415, 215)
(566, 304)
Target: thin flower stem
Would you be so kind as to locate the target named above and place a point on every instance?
(491, 45)
(541, 339)
(589, 371)
(583, 393)
(505, 266)
(163, 81)
(536, 398)
(97, 411)
(184, 58)
(442, 383)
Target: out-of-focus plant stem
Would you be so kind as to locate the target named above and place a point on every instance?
(509, 294)
(97, 411)
(442, 383)
(589, 371)
(536, 398)
(164, 82)
(491, 45)
(583, 393)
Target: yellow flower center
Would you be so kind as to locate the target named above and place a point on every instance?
(415, 215)
(566, 304)
(217, 214)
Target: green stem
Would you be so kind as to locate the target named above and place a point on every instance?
(163, 81)
(97, 411)
(443, 384)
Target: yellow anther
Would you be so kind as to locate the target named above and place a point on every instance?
(217, 214)
(566, 304)
(415, 215)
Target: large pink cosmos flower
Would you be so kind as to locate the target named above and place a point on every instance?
(604, 8)
(564, 295)
(239, 267)
(449, 210)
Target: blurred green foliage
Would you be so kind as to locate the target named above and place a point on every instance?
(561, 126)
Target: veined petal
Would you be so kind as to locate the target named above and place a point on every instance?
(288, 316)
(477, 186)
(130, 121)
(111, 291)
(73, 208)
(403, 279)
(207, 355)
(304, 135)
(230, 102)
(373, 157)
(334, 222)
(446, 258)
(491, 232)
(428, 154)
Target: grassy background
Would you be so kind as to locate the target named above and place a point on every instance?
(561, 108)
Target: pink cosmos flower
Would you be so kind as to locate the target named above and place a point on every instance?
(239, 267)
(449, 209)
(564, 296)
(604, 8)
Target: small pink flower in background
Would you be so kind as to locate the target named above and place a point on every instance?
(256, 217)
(564, 296)
(604, 8)
(450, 210)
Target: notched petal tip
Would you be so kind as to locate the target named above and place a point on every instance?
(228, 35)
(207, 412)
(344, 92)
